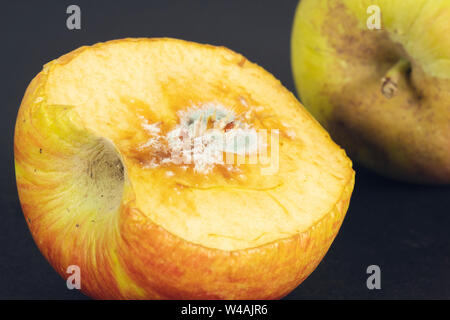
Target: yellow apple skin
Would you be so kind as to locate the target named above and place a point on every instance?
(122, 254)
(339, 65)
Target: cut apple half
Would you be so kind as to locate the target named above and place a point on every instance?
(129, 165)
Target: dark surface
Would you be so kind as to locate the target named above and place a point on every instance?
(402, 228)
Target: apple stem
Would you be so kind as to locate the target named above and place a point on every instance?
(389, 83)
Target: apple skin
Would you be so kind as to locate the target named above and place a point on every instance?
(123, 254)
(339, 64)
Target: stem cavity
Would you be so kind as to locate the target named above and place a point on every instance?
(389, 83)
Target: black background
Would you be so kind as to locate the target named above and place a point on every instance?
(402, 228)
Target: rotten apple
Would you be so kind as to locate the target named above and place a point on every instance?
(383, 94)
(120, 169)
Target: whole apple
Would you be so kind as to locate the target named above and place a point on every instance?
(376, 74)
(120, 175)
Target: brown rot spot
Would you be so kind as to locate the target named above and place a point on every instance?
(353, 44)
(40, 150)
(388, 87)
(229, 126)
(77, 225)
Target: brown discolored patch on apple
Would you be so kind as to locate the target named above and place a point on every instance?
(353, 44)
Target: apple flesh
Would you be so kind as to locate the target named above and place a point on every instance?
(97, 191)
(384, 95)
